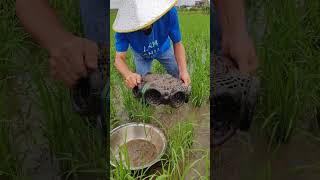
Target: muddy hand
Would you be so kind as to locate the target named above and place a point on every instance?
(72, 61)
(133, 80)
(185, 78)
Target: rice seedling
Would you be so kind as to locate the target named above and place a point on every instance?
(10, 165)
(286, 35)
(74, 143)
(290, 66)
(196, 40)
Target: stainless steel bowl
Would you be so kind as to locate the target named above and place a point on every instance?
(137, 131)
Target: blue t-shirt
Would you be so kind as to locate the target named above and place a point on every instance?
(152, 45)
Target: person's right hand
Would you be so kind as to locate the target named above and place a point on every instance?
(132, 80)
(72, 59)
(239, 46)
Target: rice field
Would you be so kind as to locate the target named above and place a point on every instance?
(187, 155)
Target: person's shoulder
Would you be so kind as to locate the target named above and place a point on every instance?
(173, 11)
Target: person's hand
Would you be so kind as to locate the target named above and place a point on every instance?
(239, 47)
(132, 80)
(184, 76)
(72, 59)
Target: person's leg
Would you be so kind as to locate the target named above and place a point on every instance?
(168, 60)
(143, 66)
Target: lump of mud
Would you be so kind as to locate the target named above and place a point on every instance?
(87, 92)
(156, 89)
(233, 96)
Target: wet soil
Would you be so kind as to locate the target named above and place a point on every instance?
(249, 156)
(32, 146)
(169, 117)
(140, 152)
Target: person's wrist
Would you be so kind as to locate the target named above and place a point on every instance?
(128, 75)
(183, 71)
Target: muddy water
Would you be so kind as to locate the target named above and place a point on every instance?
(248, 157)
(140, 152)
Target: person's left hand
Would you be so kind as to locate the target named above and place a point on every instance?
(184, 76)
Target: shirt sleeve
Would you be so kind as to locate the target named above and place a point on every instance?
(122, 42)
(174, 32)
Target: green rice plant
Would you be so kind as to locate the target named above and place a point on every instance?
(288, 69)
(180, 138)
(200, 83)
(196, 39)
(177, 162)
(77, 146)
(137, 110)
(10, 164)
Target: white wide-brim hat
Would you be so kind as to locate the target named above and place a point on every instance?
(134, 15)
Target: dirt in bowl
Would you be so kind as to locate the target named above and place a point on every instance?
(140, 152)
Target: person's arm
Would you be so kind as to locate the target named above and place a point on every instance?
(41, 22)
(122, 45)
(131, 79)
(71, 56)
(236, 42)
(179, 50)
(182, 62)
(231, 15)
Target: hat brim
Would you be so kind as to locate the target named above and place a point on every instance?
(118, 21)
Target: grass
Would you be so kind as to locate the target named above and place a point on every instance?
(289, 54)
(286, 35)
(177, 163)
(9, 166)
(77, 148)
(11, 41)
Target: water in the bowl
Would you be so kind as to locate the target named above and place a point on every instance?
(140, 152)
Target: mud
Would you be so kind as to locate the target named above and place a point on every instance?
(32, 146)
(140, 152)
(249, 157)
